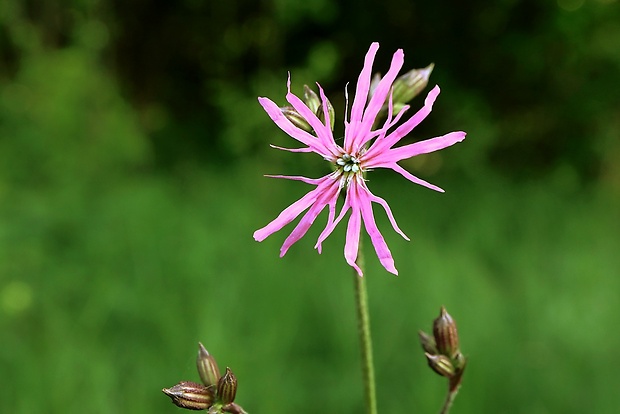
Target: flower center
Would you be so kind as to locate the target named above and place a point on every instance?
(349, 163)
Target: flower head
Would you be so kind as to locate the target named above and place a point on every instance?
(366, 146)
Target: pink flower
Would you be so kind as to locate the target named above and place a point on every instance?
(363, 149)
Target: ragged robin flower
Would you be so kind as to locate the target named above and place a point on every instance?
(365, 147)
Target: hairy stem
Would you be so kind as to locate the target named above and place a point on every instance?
(363, 325)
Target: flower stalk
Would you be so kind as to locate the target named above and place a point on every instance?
(363, 326)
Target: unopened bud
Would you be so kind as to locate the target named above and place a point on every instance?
(227, 387)
(459, 361)
(207, 367)
(295, 117)
(330, 111)
(311, 99)
(440, 364)
(409, 85)
(428, 343)
(397, 107)
(233, 409)
(190, 395)
(446, 336)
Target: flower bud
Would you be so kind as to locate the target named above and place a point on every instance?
(409, 85)
(190, 395)
(446, 336)
(233, 408)
(330, 111)
(207, 367)
(295, 117)
(440, 364)
(428, 342)
(227, 387)
(459, 361)
(311, 99)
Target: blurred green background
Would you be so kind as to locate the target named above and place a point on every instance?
(132, 150)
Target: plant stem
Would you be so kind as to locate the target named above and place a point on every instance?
(453, 389)
(363, 327)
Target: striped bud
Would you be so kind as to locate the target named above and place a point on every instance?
(311, 99)
(330, 111)
(227, 387)
(446, 336)
(190, 395)
(207, 367)
(428, 342)
(440, 364)
(408, 86)
(295, 117)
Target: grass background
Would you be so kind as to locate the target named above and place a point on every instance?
(126, 217)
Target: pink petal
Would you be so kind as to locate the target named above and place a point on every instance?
(361, 96)
(380, 146)
(330, 219)
(377, 101)
(388, 212)
(287, 126)
(325, 103)
(305, 149)
(324, 134)
(332, 224)
(389, 123)
(288, 214)
(412, 177)
(329, 194)
(351, 245)
(313, 181)
(417, 148)
(383, 252)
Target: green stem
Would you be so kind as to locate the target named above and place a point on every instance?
(448, 402)
(363, 327)
(453, 389)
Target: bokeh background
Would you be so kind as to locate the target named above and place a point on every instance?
(132, 154)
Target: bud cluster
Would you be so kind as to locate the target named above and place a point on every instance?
(442, 349)
(216, 393)
(405, 88)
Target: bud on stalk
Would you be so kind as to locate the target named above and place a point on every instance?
(227, 387)
(408, 86)
(299, 121)
(446, 336)
(190, 395)
(428, 343)
(441, 364)
(207, 367)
